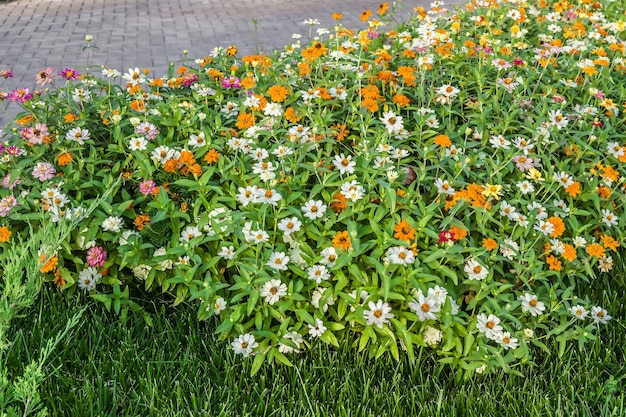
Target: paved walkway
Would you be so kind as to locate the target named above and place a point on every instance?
(35, 34)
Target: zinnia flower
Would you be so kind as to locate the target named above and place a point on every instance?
(44, 76)
(147, 187)
(44, 171)
(378, 314)
(69, 74)
(96, 256)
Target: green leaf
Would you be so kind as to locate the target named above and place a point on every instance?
(258, 362)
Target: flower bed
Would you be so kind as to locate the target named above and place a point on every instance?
(448, 184)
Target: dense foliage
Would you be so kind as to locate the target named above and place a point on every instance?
(450, 183)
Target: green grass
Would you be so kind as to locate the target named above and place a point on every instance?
(110, 367)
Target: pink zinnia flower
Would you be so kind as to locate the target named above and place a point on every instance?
(6, 74)
(147, 187)
(189, 79)
(35, 135)
(231, 82)
(446, 236)
(523, 163)
(14, 150)
(44, 76)
(7, 182)
(6, 204)
(147, 129)
(21, 95)
(44, 171)
(69, 74)
(96, 256)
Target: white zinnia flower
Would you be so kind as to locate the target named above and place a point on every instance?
(273, 290)
(318, 329)
(531, 305)
(425, 307)
(162, 154)
(88, 278)
(141, 271)
(244, 344)
(278, 261)
(138, 144)
(296, 338)
(475, 271)
(314, 209)
(344, 164)
(579, 312)
(218, 306)
(289, 225)
(196, 141)
(432, 336)
(506, 341)
(329, 256)
(318, 273)
(609, 218)
(600, 315)
(227, 252)
(378, 314)
(189, 233)
(112, 224)
(78, 135)
(489, 325)
(316, 297)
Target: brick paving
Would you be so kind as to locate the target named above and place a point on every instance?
(35, 34)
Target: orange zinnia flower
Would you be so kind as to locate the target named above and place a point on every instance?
(290, 115)
(573, 189)
(212, 156)
(48, 265)
(338, 204)
(142, 221)
(609, 243)
(342, 131)
(29, 118)
(245, 120)
(459, 233)
(370, 104)
(489, 243)
(342, 240)
(69, 118)
(138, 105)
(596, 250)
(443, 141)
(278, 93)
(401, 100)
(58, 280)
(186, 157)
(559, 226)
(404, 231)
(65, 158)
(569, 252)
(248, 83)
(5, 234)
(195, 169)
(555, 264)
(365, 14)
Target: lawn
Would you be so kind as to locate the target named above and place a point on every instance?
(110, 367)
(424, 218)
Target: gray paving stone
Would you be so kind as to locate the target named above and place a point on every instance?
(35, 34)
